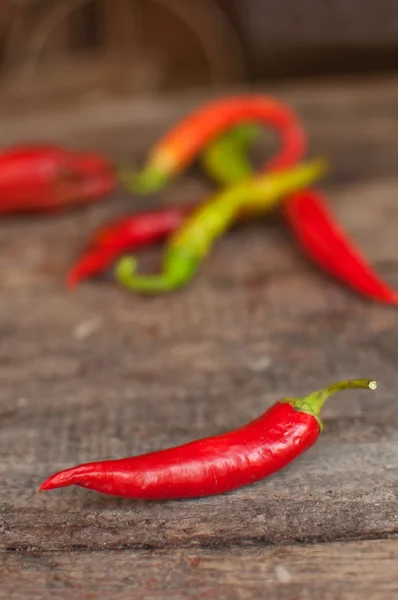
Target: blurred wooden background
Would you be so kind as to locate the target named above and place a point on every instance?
(73, 48)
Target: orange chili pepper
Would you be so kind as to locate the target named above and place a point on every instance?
(179, 146)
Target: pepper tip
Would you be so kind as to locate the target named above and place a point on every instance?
(44, 486)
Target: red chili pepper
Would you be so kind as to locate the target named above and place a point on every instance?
(48, 178)
(326, 243)
(212, 465)
(131, 232)
(179, 146)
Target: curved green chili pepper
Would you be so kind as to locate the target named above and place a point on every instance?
(192, 242)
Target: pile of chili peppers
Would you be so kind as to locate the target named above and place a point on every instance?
(222, 132)
(219, 134)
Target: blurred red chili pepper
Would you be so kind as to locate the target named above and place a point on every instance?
(325, 242)
(130, 232)
(48, 178)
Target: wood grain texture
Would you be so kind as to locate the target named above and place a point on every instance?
(329, 571)
(103, 373)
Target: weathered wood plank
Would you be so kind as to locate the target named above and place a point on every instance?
(102, 373)
(329, 571)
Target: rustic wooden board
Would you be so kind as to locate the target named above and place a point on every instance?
(335, 571)
(103, 373)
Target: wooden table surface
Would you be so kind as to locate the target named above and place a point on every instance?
(103, 373)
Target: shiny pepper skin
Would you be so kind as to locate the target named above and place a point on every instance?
(49, 178)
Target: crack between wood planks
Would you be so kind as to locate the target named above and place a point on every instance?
(212, 544)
